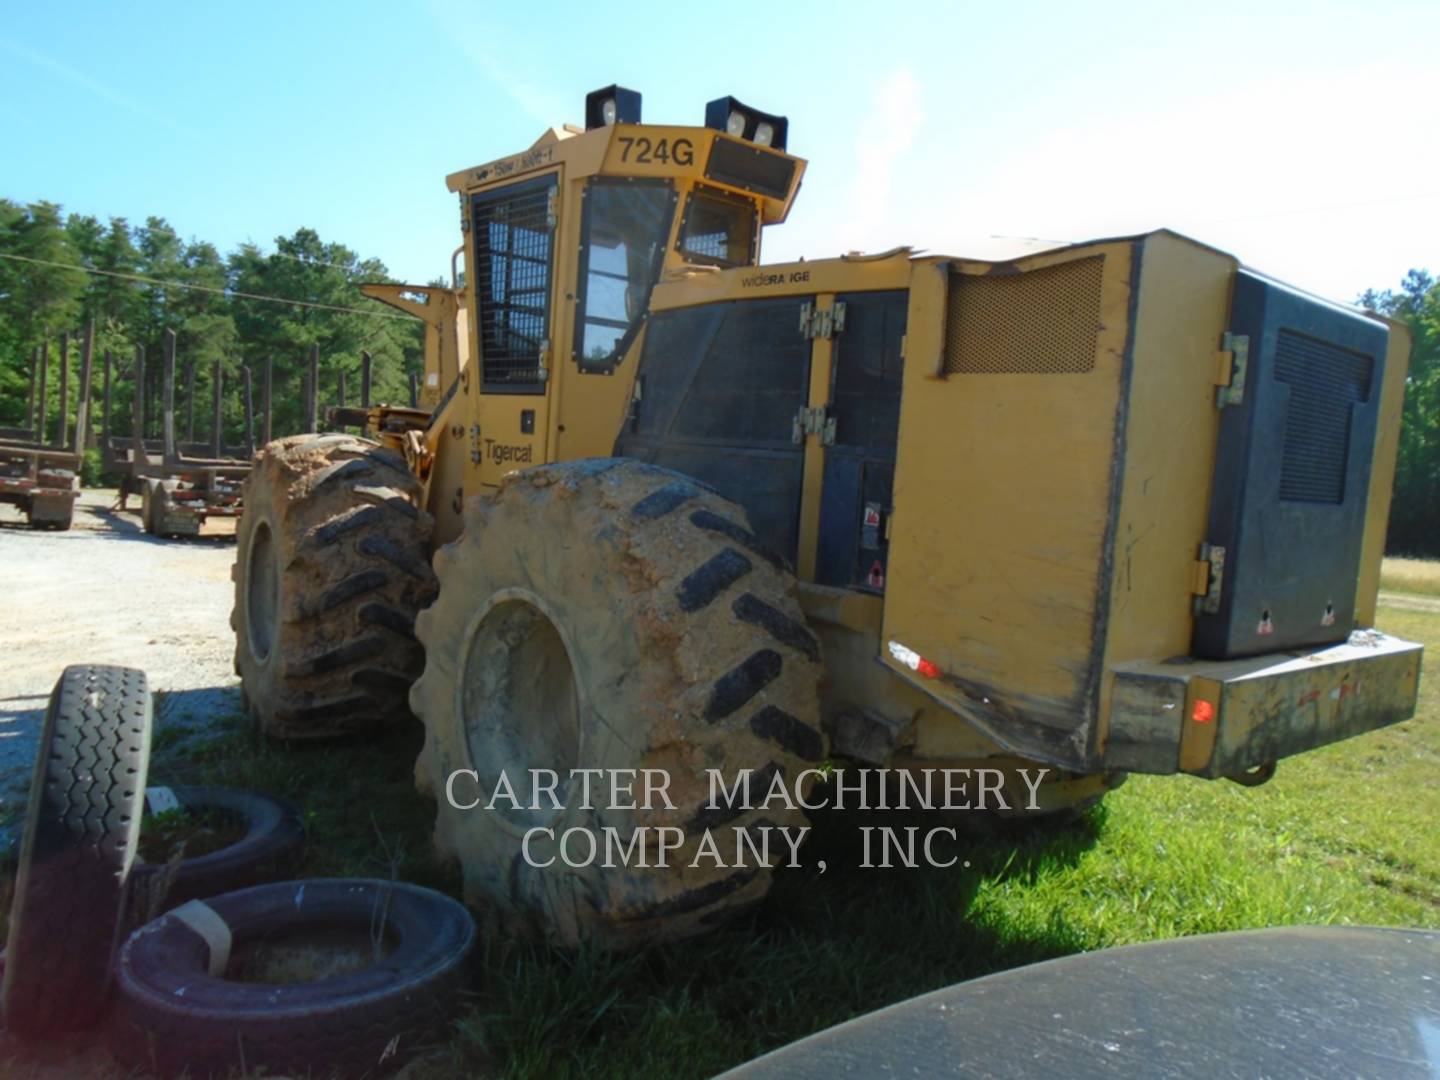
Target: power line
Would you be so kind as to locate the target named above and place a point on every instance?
(227, 293)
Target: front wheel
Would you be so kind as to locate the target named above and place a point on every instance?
(614, 617)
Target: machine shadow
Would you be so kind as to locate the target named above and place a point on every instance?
(125, 525)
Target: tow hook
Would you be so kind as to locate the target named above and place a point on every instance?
(1261, 774)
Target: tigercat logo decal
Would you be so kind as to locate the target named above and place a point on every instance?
(500, 453)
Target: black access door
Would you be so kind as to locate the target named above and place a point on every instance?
(857, 493)
(1292, 473)
(719, 389)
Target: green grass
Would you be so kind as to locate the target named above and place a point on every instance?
(1411, 575)
(1346, 834)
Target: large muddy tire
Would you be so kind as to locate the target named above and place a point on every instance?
(612, 615)
(331, 565)
(86, 799)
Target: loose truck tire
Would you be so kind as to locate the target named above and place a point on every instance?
(607, 614)
(331, 566)
(172, 1015)
(273, 837)
(83, 819)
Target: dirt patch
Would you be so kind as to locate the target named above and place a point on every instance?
(316, 953)
(107, 593)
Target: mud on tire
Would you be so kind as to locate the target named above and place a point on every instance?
(613, 615)
(330, 568)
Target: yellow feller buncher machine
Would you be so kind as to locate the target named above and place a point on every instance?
(1113, 507)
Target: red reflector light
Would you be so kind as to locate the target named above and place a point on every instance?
(927, 669)
(1203, 712)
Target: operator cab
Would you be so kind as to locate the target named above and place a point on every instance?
(565, 244)
(634, 201)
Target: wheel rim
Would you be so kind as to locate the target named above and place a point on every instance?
(520, 703)
(262, 592)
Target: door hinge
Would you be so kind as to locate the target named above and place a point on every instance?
(818, 322)
(816, 421)
(1209, 579)
(1230, 365)
(475, 454)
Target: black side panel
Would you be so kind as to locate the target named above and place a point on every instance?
(1292, 474)
(856, 499)
(720, 387)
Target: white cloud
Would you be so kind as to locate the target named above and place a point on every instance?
(87, 83)
(885, 136)
(1327, 180)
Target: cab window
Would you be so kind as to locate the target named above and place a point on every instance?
(626, 224)
(718, 229)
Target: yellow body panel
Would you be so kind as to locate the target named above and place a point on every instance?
(1169, 450)
(1003, 483)
(1382, 471)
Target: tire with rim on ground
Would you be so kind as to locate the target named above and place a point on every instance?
(271, 843)
(331, 566)
(86, 800)
(611, 615)
(174, 1016)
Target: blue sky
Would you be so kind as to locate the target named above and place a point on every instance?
(1301, 137)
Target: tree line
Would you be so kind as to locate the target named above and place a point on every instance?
(1415, 509)
(59, 271)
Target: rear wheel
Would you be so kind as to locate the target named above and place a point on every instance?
(609, 615)
(331, 566)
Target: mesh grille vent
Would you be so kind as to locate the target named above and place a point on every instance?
(1042, 322)
(512, 286)
(1325, 383)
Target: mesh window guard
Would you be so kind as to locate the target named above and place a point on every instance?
(514, 242)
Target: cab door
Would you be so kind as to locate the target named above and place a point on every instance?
(512, 266)
(722, 385)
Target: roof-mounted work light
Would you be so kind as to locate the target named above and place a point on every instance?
(612, 105)
(734, 118)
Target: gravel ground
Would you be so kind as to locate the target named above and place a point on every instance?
(105, 592)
